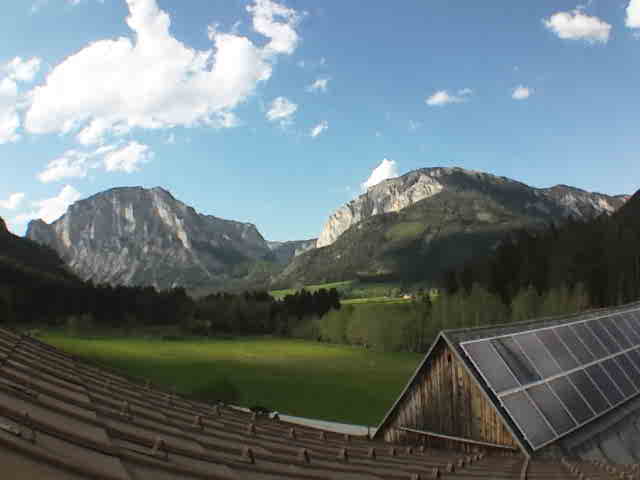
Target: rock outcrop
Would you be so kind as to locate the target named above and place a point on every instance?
(285, 251)
(394, 194)
(138, 236)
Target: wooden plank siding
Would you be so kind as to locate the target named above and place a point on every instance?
(445, 399)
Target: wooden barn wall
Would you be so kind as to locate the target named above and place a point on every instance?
(445, 399)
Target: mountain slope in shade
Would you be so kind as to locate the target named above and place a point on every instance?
(416, 226)
(29, 256)
(138, 236)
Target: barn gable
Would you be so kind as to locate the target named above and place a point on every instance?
(443, 397)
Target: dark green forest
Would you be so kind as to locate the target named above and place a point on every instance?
(36, 288)
(601, 258)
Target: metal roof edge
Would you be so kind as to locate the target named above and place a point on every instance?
(542, 320)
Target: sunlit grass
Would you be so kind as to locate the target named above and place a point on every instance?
(332, 382)
(310, 288)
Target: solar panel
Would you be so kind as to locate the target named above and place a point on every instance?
(552, 408)
(533, 424)
(588, 389)
(495, 372)
(559, 350)
(555, 379)
(538, 353)
(516, 360)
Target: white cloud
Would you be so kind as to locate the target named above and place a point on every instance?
(442, 97)
(91, 90)
(50, 209)
(633, 14)
(22, 70)
(9, 119)
(128, 159)
(386, 169)
(13, 202)
(319, 128)
(320, 85)
(112, 158)
(72, 164)
(11, 100)
(521, 92)
(284, 38)
(281, 110)
(576, 25)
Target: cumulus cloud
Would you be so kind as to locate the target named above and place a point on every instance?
(92, 91)
(521, 92)
(281, 110)
(320, 85)
(576, 25)
(633, 14)
(319, 128)
(50, 209)
(443, 97)
(13, 202)
(128, 158)
(386, 169)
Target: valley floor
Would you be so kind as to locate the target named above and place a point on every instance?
(296, 377)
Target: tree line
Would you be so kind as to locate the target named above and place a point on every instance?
(255, 313)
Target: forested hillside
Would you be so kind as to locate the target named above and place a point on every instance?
(599, 257)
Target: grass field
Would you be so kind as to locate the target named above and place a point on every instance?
(331, 382)
(359, 301)
(310, 288)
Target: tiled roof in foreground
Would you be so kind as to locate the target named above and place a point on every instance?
(61, 418)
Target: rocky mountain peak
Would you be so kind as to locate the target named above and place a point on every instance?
(138, 236)
(395, 194)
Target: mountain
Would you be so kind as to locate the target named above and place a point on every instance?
(429, 220)
(285, 251)
(397, 193)
(29, 258)
(138, 236)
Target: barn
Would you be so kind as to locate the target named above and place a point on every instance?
(552, 387)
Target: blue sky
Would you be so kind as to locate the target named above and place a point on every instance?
(276, 113)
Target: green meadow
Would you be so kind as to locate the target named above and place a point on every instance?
(297, 377)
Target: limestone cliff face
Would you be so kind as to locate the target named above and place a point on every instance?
(284, 252)
(397, 193)
(137, 236)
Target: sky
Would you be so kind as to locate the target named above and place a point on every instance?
(278, 112)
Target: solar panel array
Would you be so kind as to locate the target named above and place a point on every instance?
(556, 379)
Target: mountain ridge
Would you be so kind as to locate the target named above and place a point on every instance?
(396, 193)
(413, 227)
